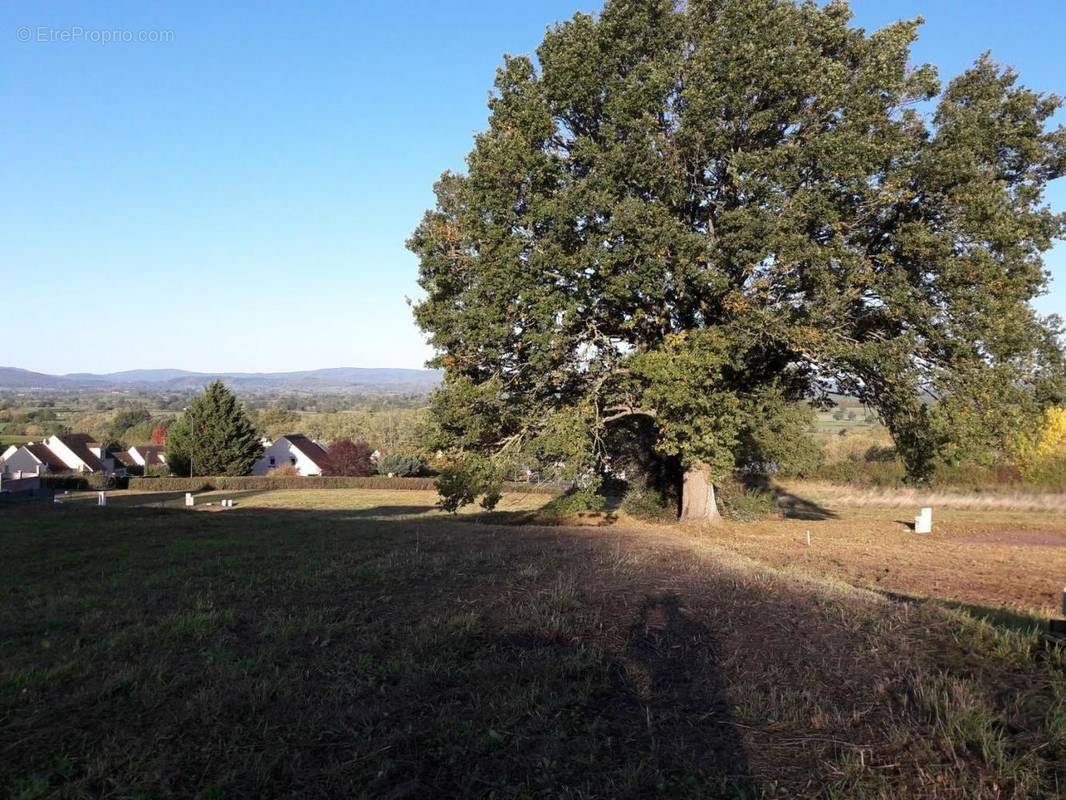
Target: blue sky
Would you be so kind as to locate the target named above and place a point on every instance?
(238, 197)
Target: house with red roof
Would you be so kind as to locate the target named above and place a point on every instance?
(60, 454)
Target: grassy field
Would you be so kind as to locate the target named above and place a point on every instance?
(360, 644)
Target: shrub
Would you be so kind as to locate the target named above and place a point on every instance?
(575, 501)
(283, 471)
(401, 465)
(457, 487)
(66, 483)
(95, 481)
(348, 458)
(880, 454)
(644, 503)
(461, 483)
(859, 473)
(744, 503)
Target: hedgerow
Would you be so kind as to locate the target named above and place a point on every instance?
(256, 482)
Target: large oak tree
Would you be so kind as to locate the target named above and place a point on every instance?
(686, 216)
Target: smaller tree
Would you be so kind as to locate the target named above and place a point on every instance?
(213, 437)
(401, 465)
(159, 435)
(348, 458)
(462, 482)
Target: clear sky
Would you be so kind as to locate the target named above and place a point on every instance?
(234, 193)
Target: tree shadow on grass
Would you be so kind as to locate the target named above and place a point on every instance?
(380, 512)
(394, 666)
(792, 506)
(1001, 617)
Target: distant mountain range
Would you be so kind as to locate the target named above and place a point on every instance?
(349, 379)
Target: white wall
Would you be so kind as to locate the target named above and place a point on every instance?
(65, 454)
(73, 460)
(140, 460)
(284, 454)
(22, 459)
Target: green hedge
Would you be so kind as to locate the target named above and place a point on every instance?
(83, 483)
(256, 482)
(66, 483)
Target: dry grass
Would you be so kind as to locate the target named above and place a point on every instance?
(1010, 561)
(378, 649)
(905, 497)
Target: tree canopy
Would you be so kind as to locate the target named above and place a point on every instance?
(213, 437)
(349, 458)
(694, 214)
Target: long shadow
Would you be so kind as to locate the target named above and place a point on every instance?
(1005, 618)
(665, 698)
(649, 717)
(375, 512)
(679, 656)
(792, 506)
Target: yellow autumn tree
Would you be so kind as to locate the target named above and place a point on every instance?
(1043, 455)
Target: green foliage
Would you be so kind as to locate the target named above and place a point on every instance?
(396, 429)
(462, 482)
(645, 503)
(127, 419)
(402, 465)
(880, 454)
(276, 421)
(575, 501)
(671, 220)
(698, 411)
(745, 503)
(96, 481)
(213, 437)
(66, 483)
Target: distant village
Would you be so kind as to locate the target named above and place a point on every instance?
(79, 454)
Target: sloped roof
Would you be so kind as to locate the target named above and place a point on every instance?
(79, 445)
(151, 453)
(46, 457)
(125, 459)
(312, 450)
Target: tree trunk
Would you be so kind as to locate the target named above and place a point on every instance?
(697, 496)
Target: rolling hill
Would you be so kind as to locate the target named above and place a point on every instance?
(349, 379)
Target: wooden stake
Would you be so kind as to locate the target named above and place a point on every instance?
(809, 544)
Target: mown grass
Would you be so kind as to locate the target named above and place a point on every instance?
(376, 651)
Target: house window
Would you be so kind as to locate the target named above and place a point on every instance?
(272, 461)
(292, 461)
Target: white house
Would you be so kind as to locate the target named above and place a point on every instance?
(294, 449)
(152, 455)
(80, 453)
(68, 452)
(30, 459)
